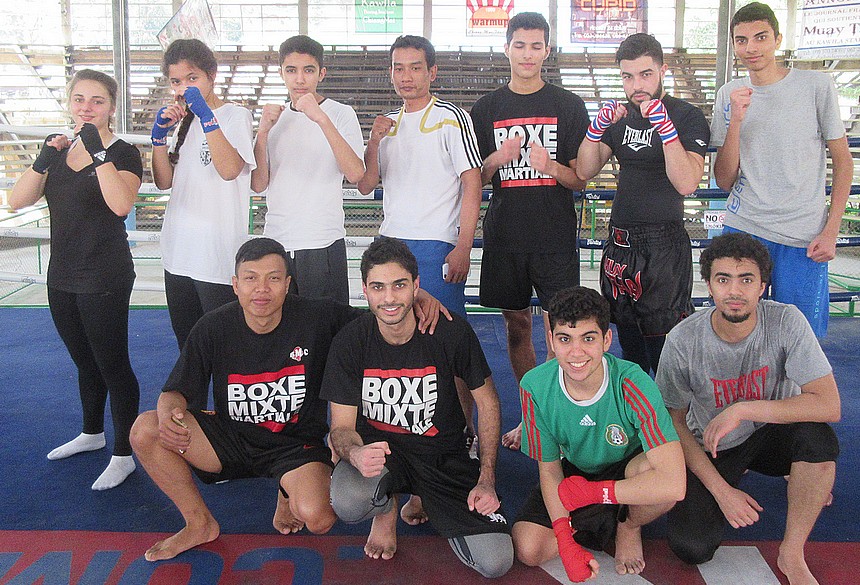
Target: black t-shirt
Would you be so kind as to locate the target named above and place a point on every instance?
(529, 211)
(89, 245)
(405, 394)
(266, 383)
(645, 194)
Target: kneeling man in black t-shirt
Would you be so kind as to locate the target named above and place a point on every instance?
(265, 356)
(398, 426)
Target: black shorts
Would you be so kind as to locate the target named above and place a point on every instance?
(696, 524)
(647, 276)
(242, 458)
(595, 524)
(443, 481)
(507, 279)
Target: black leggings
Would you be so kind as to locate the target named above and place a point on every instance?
(189, 299)
(94, 327)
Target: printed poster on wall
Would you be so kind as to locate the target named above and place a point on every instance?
(193, 20)
(379, 16)
(607, 21)
(830, 29)
(488, 17)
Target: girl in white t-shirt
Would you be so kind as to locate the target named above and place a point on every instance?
(208, 170)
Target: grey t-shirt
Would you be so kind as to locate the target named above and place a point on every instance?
(700, 370)
(779, 194)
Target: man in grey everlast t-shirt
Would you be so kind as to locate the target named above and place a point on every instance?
(748, 387)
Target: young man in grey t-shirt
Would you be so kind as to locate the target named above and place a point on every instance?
(748, 387)
(772, 130)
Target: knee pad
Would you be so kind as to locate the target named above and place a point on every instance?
(356, 498)
(491, 555)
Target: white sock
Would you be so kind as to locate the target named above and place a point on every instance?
(79, 444)
(119, 468)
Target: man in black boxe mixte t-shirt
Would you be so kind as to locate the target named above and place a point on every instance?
(528, 133)
(398, 426)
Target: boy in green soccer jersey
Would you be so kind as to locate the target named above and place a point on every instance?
(601, 435)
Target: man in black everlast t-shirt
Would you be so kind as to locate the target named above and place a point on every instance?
(660, 143)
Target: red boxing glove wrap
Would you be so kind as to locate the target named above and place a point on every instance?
(574, 558)
(576, 492)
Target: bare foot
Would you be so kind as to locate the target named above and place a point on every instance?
(629, 559)
(185, 539)
(285, 521)
(794, 567)
(512, 438)
(413, 512)
(382, 542)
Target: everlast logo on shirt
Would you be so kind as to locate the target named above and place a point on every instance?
(541, 131)
(747, 387)
(400, 401)
(635, 139)
(269, 400)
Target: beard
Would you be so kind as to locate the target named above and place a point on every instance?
(652, 96)
(736, 318)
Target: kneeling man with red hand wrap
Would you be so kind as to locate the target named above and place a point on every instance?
(608, 456)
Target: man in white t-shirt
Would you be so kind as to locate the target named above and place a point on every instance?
(304, 150)
(427, 156)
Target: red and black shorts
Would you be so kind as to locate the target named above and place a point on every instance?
(647, 276)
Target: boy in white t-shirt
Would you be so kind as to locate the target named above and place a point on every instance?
(304, 150)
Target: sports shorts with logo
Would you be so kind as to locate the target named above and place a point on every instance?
(647, 276)
(443, 481)
(243, 454)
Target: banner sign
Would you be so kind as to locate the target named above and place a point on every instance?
(830, 29)
(193, 20)
(379, 16)
(488, 17)
(607, 21)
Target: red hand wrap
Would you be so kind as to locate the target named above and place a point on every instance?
(576, 492)
(574, 558)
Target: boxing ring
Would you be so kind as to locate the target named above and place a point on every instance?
(25, 238)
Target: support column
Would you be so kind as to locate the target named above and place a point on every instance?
(725, 55)
(428, 19)
(121, 64)
(680, 9)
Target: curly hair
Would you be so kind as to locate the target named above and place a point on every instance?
(739, 246)
(579, 303)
